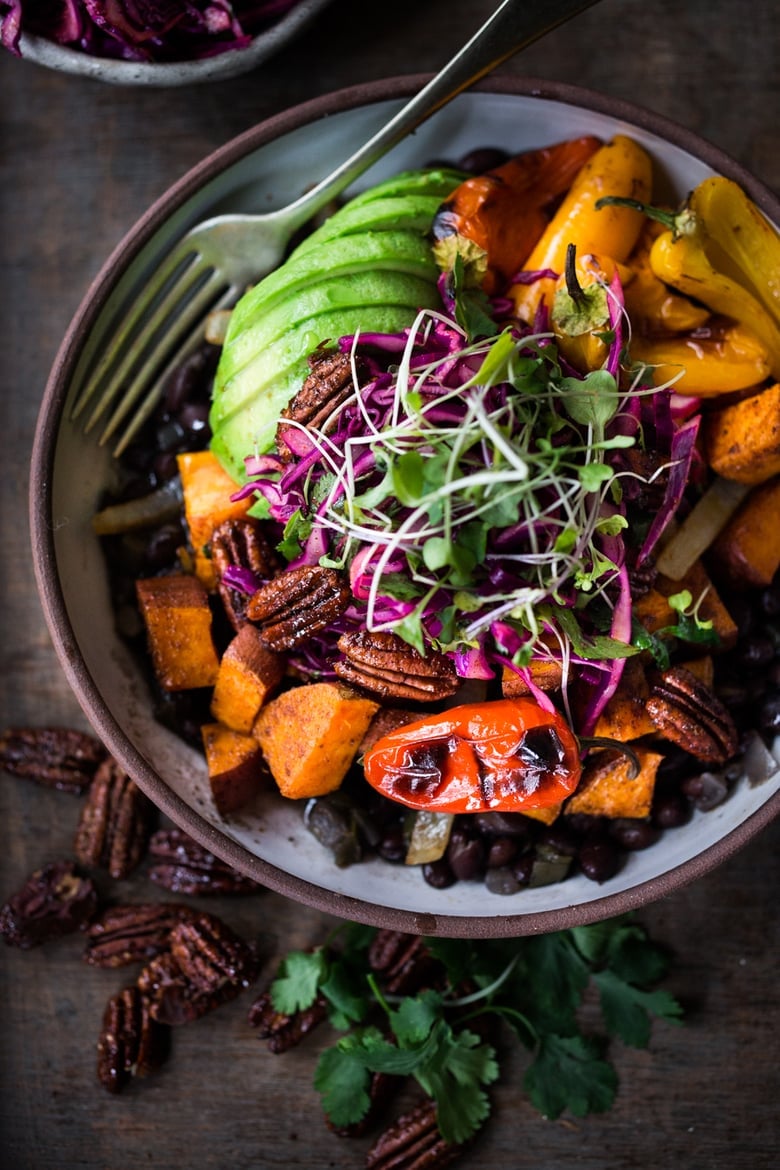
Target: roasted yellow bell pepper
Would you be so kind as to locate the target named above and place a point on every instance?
(654, 308)
(579, 315)
(620, 167)
(725, 361)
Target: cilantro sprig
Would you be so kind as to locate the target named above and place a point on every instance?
(535, 986)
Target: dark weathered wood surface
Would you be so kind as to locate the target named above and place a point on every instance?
(79, 162)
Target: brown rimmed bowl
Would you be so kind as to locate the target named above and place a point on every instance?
(261, 169)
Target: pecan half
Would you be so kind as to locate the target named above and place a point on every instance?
(240, 544)
(284, 1031)
(404, 962)
(55, 900)
(57, 757)
(413, 1142)
(185, 867)
(297, 604)
(211, 956)
(385, 665)
(316, 404)
(129, 933)
(687, 713)
(115, 822)
(131, 1043)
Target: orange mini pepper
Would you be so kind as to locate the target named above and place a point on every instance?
(505, 755)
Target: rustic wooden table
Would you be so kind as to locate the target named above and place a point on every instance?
(80, 161)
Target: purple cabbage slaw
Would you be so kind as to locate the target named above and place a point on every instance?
(141, 30)
(306, 487)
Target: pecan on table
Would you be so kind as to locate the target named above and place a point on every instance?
(54, 901)
(283, 1031)
(185, 867)
(413, 1142)
(297, 604)
(131, 932)
(403, 961)
(115, 822)
(240, 544)
(317, 403)
(686, 712)
(131, 1043)
(385, 665)
(57, 757)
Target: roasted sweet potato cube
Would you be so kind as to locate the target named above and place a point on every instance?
(742, 441)
(624, 718)
(310, 736)
(746, 553)
(177, 616)
(606, 789)
(248, 675)
(545, 815)
(235, 766)
(545, 674)
(207, 489)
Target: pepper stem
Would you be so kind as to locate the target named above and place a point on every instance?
(669, 219)
(604, 741)
(573, 286)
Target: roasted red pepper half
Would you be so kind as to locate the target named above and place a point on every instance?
(506, 755)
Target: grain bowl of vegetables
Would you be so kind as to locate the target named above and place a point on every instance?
(439, 590)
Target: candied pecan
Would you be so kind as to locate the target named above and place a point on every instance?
(171, 998)
(382, 663)
(316, 404)
(57, 757)
(211, 956)
(687, 713)
(131, 932)
(131, 1043)
(404, 962)
(413, 1142)
(284, 1031)
(55, 900)
(185, 867)
(115, 822)
(297, 604)
(241, 544)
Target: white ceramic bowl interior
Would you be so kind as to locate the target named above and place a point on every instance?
(232, 63)
(264, 168)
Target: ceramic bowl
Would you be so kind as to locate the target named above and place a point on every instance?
(264, 168)
(231, 63)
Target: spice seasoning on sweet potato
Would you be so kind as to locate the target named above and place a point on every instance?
(746, 554)
(178, 624)
(207, 489)
(742, 440)
(608, 789)
(248, 674)
(310, 736)
(235, 766)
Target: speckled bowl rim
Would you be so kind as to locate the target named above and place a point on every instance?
(231, 63)
(52, 600)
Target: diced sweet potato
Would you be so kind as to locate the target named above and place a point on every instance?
(207, 489)
(235, 766)
(746, 554)
(742, 441)
(606, 790)
(387, 719)
(703, 668)
(248, 675)
(545, 674)
(310, 736)
(625, 718)
(177, 616)
(545, 815)
(653, 611)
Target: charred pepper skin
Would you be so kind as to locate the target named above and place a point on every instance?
(505, 755)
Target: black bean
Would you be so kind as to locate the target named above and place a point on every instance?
(522, 867)
(670, 809)
(561, 838)
(476, 162)
(170, 436)
(503, 824)
(599, 859)
(438, 874)
(769, 713)
(707, 790)
(501, 850)
(770, 601)
(165, 466)
(633, 834)
(162, 546)
(502, 881)
(465, 856)
(193, 418)
(392, 845)
(756, 651)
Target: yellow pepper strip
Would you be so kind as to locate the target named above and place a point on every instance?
(580, 310)
(682, 262)
(654, 308)
(720, 364)
(619, 168)
(743, 244)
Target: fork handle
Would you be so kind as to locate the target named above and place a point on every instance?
(514, 25)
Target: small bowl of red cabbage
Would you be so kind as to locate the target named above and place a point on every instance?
(152, 42)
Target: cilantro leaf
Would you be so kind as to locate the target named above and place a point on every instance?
(626, 1009)
(568, 1073)
(453, 1076)
(298, 982)
(343, 1080)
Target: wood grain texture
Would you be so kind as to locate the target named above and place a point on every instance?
(79, 162)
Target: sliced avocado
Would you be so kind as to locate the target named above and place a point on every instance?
(244, 421)
(399, 251)
(406, 213)
(342, 307)
(438, 181)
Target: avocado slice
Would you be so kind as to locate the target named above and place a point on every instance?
(244, 421)
(437, 181)
(396, 213)
(399, 251)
